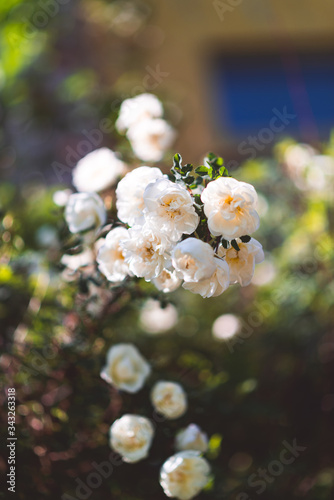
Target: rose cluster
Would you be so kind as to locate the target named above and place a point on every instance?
(191, 227)
(141, 118)
(184, 474)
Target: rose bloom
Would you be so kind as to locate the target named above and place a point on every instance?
(218, 282)
(191, 438)
(146, 252)
(84, 211)
(151, 138)
(242, 263)
(126, 368)
(230, 207)
(157, 319)
(138, 108)
(97, 171)
(184, 475)
(131, 436)
(167, 281)
(169, 399)
(130, 191)
(110, 257)
(193, 260)
(169, 207)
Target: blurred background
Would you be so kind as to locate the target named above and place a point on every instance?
(249, 80)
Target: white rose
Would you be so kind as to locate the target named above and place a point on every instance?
(167, 281)
(84, 211)
(131, 436)
(169, 207)
(137, 109)
(110, 257)
(230, 207)
(184, 475)
(126, 368)
(151, 138)
(130, 191)
(213, 286)
(157, 319)
(146, 252)
(193, 260)
(242, 263)
(97, 171)
(191, 438)
(169, 399)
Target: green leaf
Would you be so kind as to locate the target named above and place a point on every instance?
(225, 244)
(203, 171)
(235, 245)
(245, 239)
(177, 161)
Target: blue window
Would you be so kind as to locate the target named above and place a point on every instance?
(246, 89)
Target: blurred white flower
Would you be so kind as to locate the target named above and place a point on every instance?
(230, 207)
(169, 399)
(126, 368)
(130, 192)
(146, 251)
(97, 171)
(138, 108)
(191, 438)
(131, 436)
(226, 326)
(309, 170)
(169, 207)
(110, 257)
(184, 475)
(167, 281)
(84, 211)
(193, 260)
(61, 197)
(242, 262)
(265, 272)
(157, 319)
(218, 282)
(151, 138)
(297, 157)
(82, 259)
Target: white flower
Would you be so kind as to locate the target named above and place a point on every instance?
(226, 326)
(61, 197)
(230, 208)
(167, 281)
(131, 436)
(242, 263)
(218, 282)
(130, 191)
(157, 319)
(146, 252)
(191, 438)
(110, 257)
(82, 259)
(151, 138)
(193, 260)
(184, 475)
(169, 399)
(126, 368)
(97, 171)
(137, 109)
(84, 211)
(169, 207)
